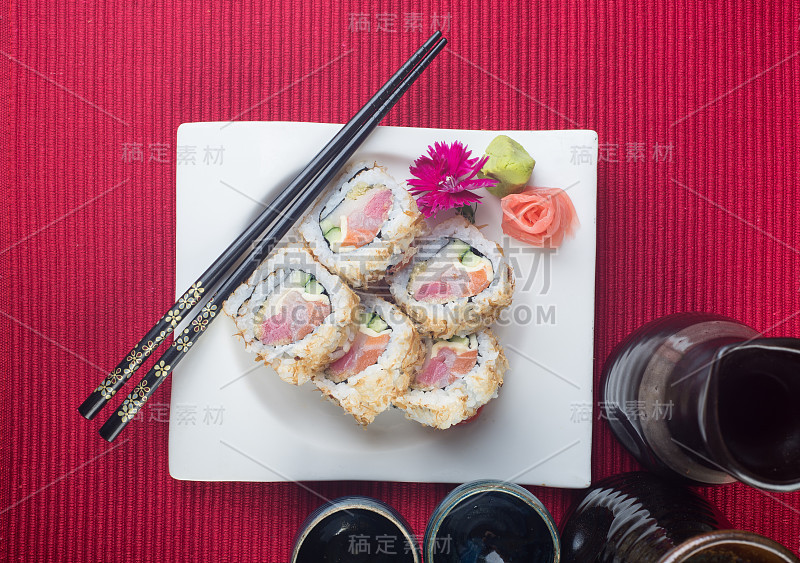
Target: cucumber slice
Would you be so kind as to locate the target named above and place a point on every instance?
(334, 235)
(470, 260)
(459, 247)
(365, 318)
(416, 270)
(298, 278)
(314, 287)
(377, 324)
(326, 225)
(463, 340)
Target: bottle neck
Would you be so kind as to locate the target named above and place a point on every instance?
(691, 389)
(676, 380)
(736, 411)
(751, 423)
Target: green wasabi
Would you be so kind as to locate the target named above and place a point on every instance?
(509, 163)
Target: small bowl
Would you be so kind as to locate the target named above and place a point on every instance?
(355, 529)
(729, 545)
(491, 521)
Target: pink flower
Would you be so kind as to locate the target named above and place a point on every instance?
(444, 178)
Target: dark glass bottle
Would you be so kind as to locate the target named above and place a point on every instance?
(703, 398)
(641, 517)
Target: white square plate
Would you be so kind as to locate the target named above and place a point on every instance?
(233, 421)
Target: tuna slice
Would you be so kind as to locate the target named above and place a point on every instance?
(446, 367)
(296, 319)
(444, 284)
(364, 352)
(363, 216)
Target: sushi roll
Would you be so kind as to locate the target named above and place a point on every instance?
(458, 377)
(379, 363)
(365, 227)
(457, 283)
(293, 314)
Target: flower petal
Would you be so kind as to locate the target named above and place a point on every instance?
(444, 177)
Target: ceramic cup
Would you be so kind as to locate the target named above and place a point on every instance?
(355, 529)
(491, 521)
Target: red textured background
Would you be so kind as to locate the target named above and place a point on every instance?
(87, 253)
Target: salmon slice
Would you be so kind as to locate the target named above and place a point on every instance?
(478, 281)
(357, 238)
(449, 364)
(296, 319)
(365, 221)
(364, 352)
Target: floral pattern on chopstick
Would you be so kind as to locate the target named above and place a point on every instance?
(183, 343)
(196, 290)
(115, 376)
(106, 390)
(192, 296)
(172, 318)
(162, 369)
(209, 310)
(138, 397)
(129, 408)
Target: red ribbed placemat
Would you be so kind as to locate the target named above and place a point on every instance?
(696, 107)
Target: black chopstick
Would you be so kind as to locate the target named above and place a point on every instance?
(183, 343)
(214, 275)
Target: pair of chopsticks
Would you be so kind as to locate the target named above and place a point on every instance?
(274, 222)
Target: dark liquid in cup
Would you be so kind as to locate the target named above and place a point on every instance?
(758, 414)
(736, 553)
(356, 535)
(493, 526)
